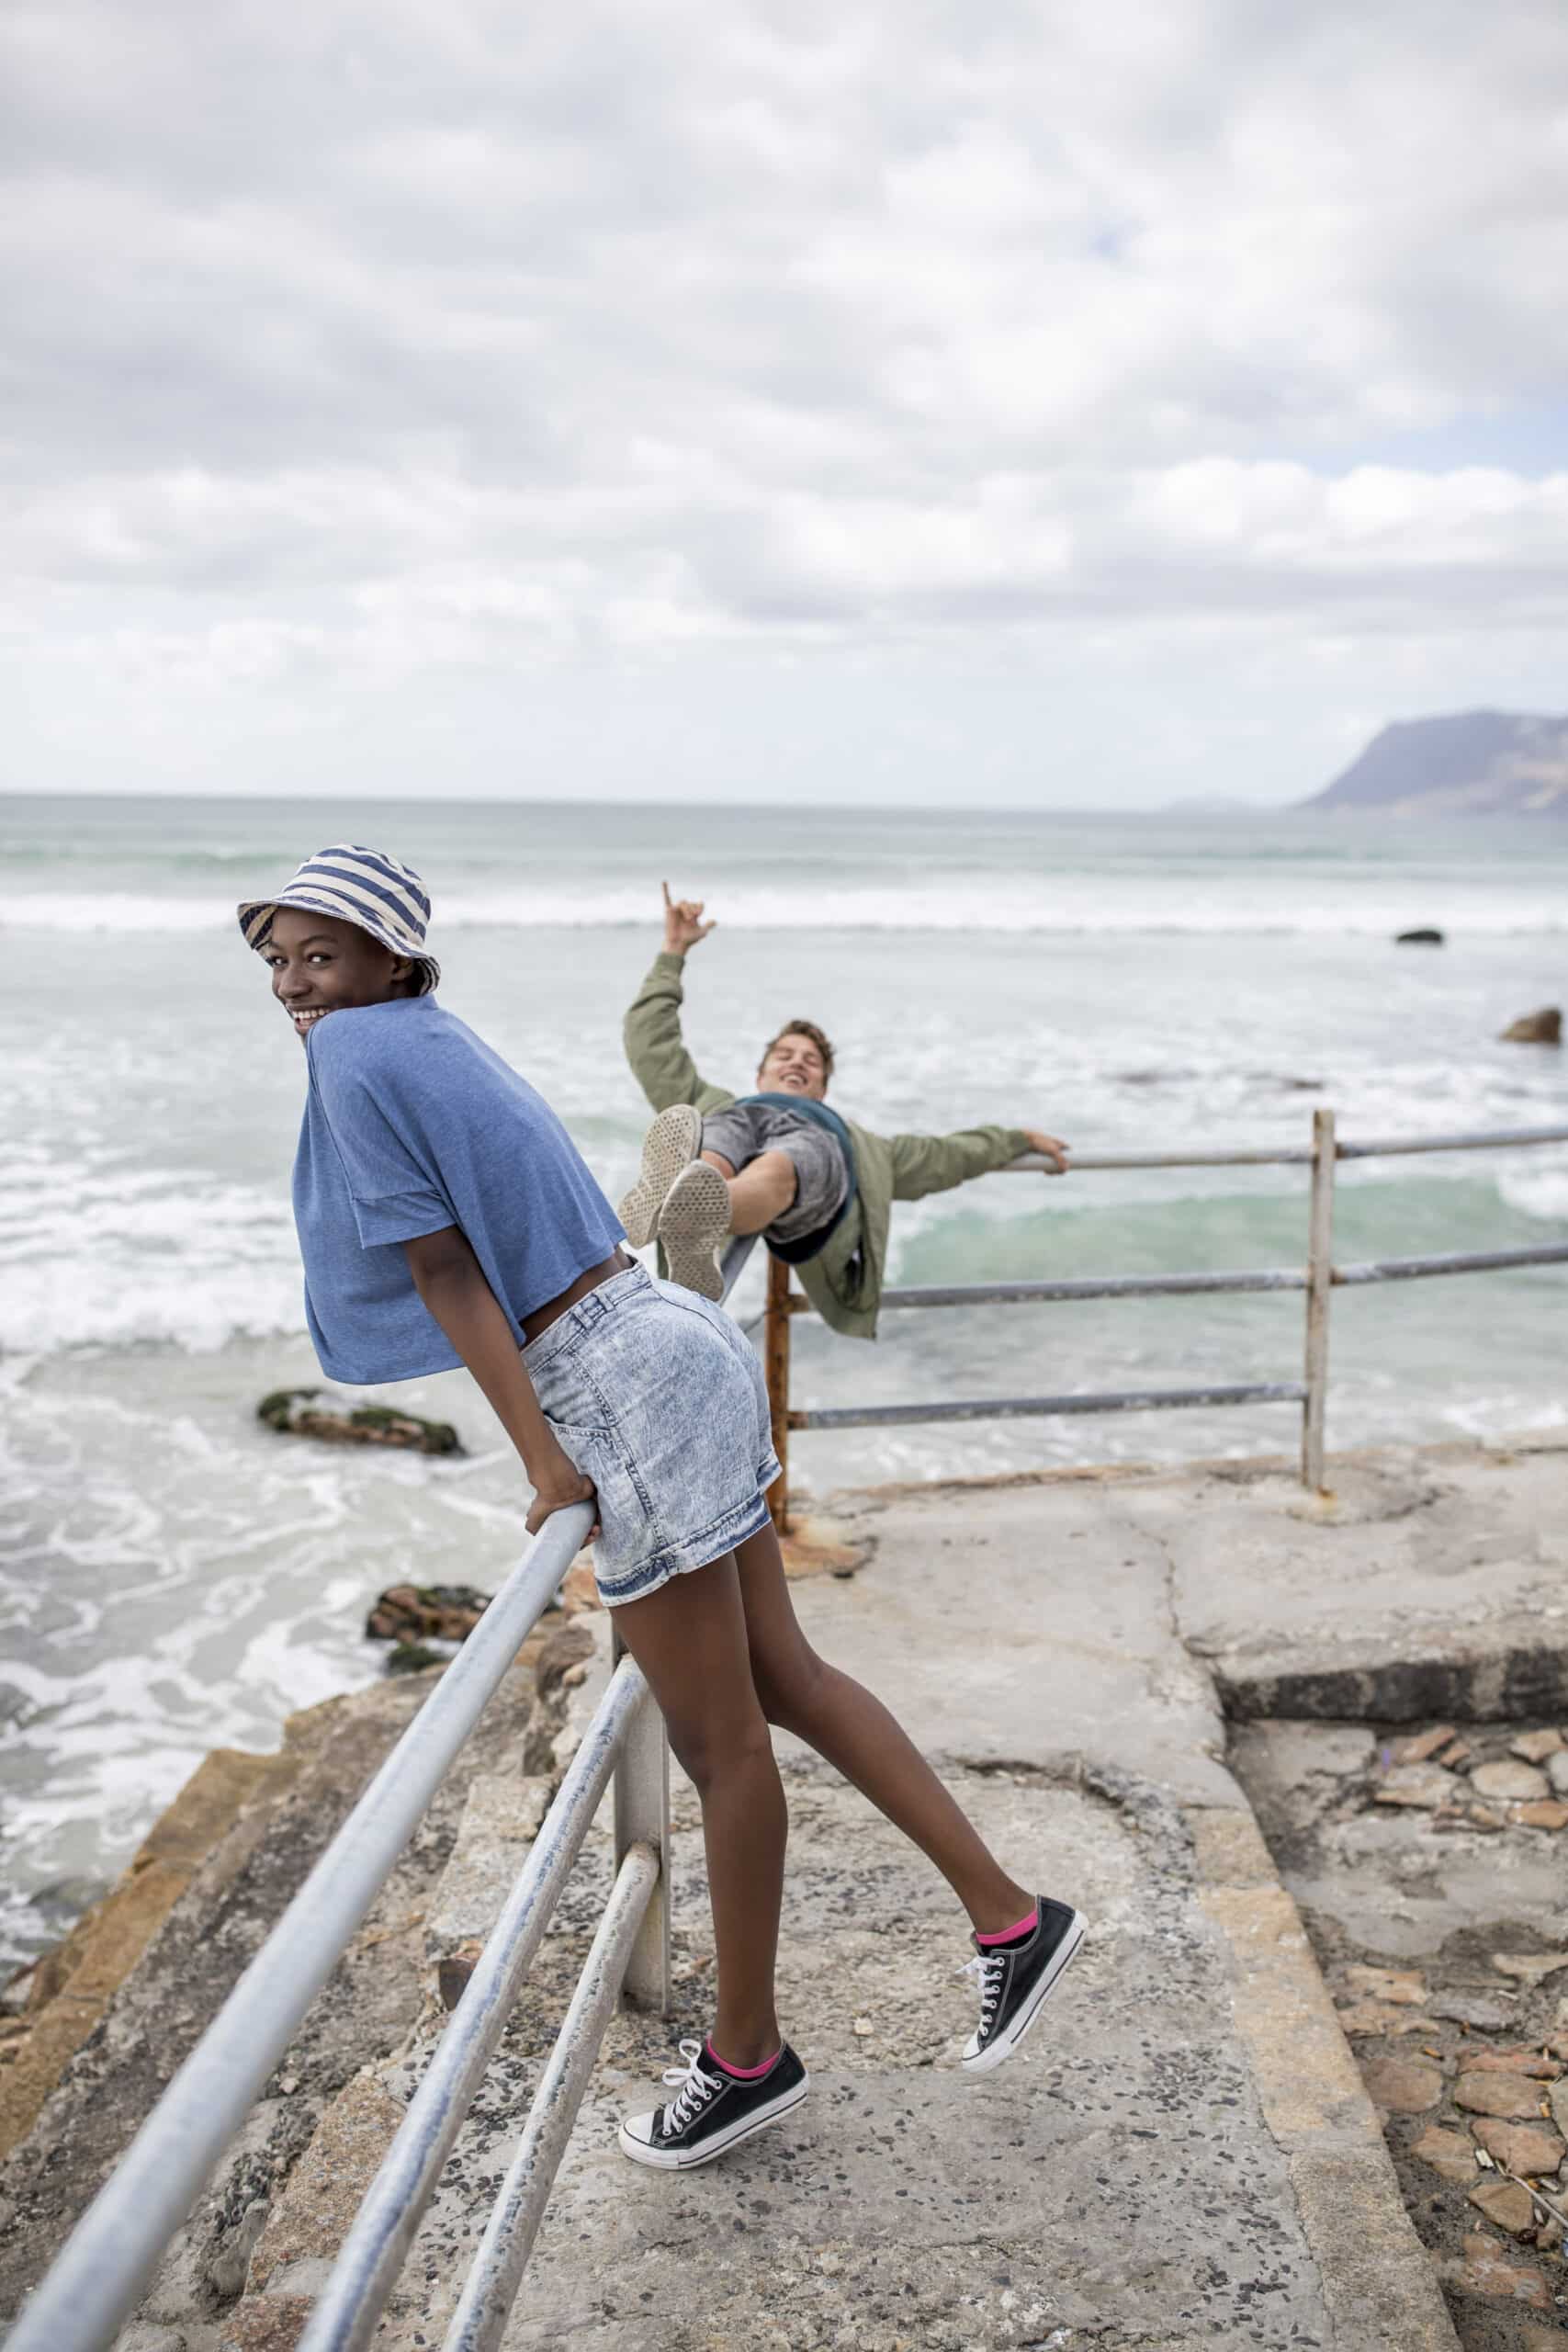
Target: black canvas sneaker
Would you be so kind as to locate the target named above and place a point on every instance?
(1015, 1980)
(712, 2110)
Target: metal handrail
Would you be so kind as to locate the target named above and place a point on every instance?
(1033, 1163)
(1318, 1279)
(98, 2277)
(367, 2267)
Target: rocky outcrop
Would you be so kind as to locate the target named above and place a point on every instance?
(425, 1612)
(1472, 763)
(101, 2025)
(1542, 1028)
(314, 1412)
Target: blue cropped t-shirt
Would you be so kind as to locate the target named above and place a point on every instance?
(412, 1124)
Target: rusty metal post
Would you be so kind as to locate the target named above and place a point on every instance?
(775, 1358)
(1319, 1290)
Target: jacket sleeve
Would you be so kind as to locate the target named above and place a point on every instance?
(655, 1047)
(935, 1163)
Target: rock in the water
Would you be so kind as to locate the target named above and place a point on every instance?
(1519, 1782)
(312, 1412)
(1543, 1028)
(1513, 2097)
(427, 1613)
(412, 1657)
(1423, 935)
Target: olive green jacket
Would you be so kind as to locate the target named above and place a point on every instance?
(843, 1282)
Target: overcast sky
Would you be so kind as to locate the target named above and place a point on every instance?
(1086, 403)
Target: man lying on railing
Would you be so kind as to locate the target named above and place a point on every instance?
(779, 1162)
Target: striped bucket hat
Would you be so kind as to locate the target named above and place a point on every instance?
(359, 886)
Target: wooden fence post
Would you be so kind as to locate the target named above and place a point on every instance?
(1319, 1290)
(776, 1357)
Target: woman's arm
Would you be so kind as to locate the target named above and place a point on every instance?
(447, 1277)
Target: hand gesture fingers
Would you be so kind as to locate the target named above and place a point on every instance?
(683, 925)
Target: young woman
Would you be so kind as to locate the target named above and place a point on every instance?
(444, 1218)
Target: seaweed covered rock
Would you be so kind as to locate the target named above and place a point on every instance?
(425, 1612)
(313, 1412)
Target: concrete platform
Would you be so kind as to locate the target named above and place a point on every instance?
(1183, 2154)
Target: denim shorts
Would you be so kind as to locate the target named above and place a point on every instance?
(741, 1130)
(660, 1399)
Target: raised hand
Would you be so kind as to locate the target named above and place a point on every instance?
(1049, 1148)
(683, 925)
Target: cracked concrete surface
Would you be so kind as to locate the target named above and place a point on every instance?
(1182, 2154)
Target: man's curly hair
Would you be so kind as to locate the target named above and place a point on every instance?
(803, 1029)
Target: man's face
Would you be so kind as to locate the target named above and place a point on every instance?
(320, 966)
(794, 1066)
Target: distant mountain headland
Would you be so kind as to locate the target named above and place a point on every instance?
(1477, 763)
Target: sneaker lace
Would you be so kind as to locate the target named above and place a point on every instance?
(693, 2088)
(989, 1967)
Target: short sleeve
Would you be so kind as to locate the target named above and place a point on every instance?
(396, 1194)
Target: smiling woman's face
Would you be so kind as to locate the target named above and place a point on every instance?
(320, 966)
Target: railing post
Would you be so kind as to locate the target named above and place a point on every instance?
(1319, 1290)
(775, 1358)
(642, 1817)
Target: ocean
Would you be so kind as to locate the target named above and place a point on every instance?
(174, 1577)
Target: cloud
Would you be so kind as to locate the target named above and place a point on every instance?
(364, 348)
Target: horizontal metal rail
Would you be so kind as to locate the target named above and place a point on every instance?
(1464, 1261)
(1033, 1163)
(1013, 1408)
(1253, 1278)
(99, 2273)
(1495, 1139)
(1318, 1279)
(491, 2288)
(1029, 1294)
(349, 2307)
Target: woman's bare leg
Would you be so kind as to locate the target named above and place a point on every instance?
(854, 1732)
(690, 1639)
(763, 1191)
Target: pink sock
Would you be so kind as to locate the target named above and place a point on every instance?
(744, 2074)
(1019, 1926)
